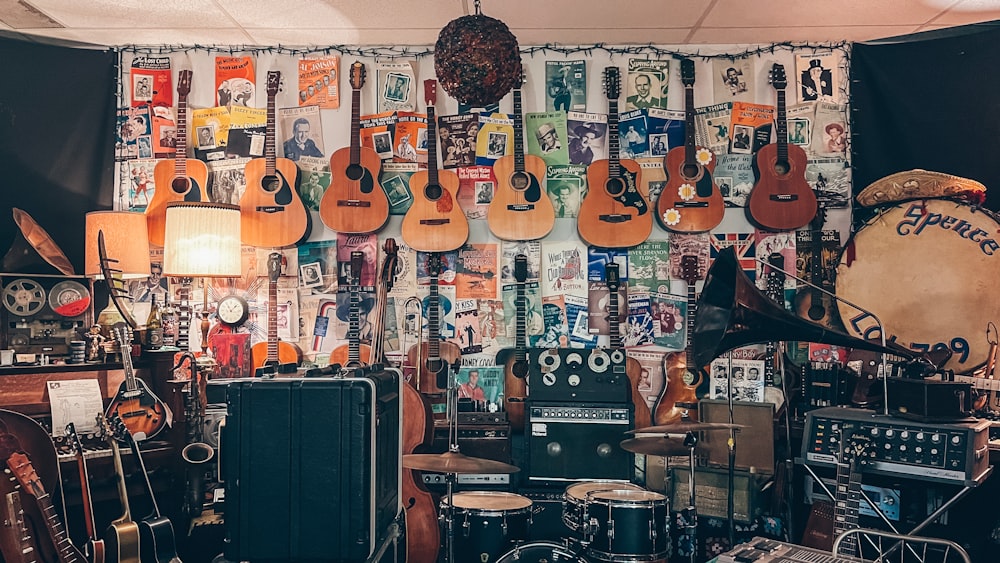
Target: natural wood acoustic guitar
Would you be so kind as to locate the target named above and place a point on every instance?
(354, 354)
(274, 353)
(433, 357)
(633, 369)
(515, 360)
(682, 376)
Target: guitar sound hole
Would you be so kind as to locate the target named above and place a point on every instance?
(816, 311)
(432, 192)
(180, 184)
(519, 180)
(435, 366)
(355, 172)
(615, 187)
(781, 167)
(690, 171)
(270, 183)
(520, 369)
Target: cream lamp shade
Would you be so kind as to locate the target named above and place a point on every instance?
(202, 240)
(125, 240)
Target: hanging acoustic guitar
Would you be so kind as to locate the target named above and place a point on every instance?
(682, 376)
(274, 354)
(643, 417)
(515, 361)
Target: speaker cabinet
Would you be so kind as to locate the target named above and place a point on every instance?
(568, 442)
(311, 466)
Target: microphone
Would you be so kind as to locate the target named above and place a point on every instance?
(332, 369)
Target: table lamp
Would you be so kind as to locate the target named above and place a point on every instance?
(202, 239)
(126, 241)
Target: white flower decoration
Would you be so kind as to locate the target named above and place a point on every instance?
(671, 217)
(686, 192)
(703, 156)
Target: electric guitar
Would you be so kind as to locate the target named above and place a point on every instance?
(520, 209)
(826, 522)
(94, 548)
(156, 533)
(272, 213)
(435, 222)
(683, 377)
(180, 178)
(20, 466)
(515, 361)
(122, 536)
(781, 199)
(355, 201)
(142, 412)
(273, 353)
(775, 290)
(810, 302)
(633, 369)
(690, 201)
(349, 355)
(433, 357)
(614, 213)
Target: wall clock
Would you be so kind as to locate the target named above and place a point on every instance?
(233, 310)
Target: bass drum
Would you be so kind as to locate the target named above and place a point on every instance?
(542, 552)
(924, 267)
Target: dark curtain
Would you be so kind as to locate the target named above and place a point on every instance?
(57, 118)
(929, 100)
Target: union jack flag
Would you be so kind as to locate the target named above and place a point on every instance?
(744, 245)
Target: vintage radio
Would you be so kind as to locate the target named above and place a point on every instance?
(42, 314)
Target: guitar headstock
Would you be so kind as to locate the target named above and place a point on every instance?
(856, 448)
(116, 429)
(434, 264)
(358, 74)
(690, 268)
(612, 82)
(521, 268)
(20, 466)
(687, 72)
(123, 335)
(357, 261)
(275, 261)
(775, 274)
(390, 263)
(611, 276)
(778, 78)
(184, 83)
(273, 81)
(74, 438)
(430, 91)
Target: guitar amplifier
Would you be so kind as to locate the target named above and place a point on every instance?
(311, 466)
(571, 442)
(578, 375)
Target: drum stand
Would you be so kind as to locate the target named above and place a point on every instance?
(690, 514)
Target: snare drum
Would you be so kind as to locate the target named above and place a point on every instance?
(575, 497)
(628, 525)
(542, 551)
(487, 523)
(923, 268)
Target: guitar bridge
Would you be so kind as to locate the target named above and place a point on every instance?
(435, 221)
(270, 208)
(353, 203)
(784, 197)
(521, 207)
(615, 218)
(690, 204)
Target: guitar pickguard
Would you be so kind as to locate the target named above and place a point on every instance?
(630, 196)
(360, 174)
(533, 190)
(284, 194)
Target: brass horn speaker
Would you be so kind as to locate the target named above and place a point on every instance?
(732, 312)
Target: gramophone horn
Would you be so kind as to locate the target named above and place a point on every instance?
(732, 312)
(30, 244)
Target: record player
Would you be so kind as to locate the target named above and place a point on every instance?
(42, 314)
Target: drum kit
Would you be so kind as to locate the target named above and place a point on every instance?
(609, 521)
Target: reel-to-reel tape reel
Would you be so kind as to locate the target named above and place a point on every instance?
(42, 314)
(579, 375)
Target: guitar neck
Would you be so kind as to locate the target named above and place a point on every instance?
(692, 304)
(270, 155)
(130, 382)
(57, 532)
(17, 529)
(272, 322)
(689, 143)
(847, 504)
(614, 318)
(781, 124)
(614, 142)
(433, 321)
(88, 507)
(354, 336)
(180, 157)
(432, 155)
(122, 489)
(521, 325)
(142, 469)
(355, 126)
(518, 134)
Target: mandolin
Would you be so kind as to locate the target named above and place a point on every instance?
(272, 213)
(643, 418)
(94, 548)
(20, 466)
(810, 302)
(614, 213)
(187, 178)
(683, 377)
(122, 538)
(515, 361)
(355, 201)
(273, 353)
(520, 209)
(435, 222)
(350, 355)
(781, 199)
(433, 357)
(156, 533)
(142, 412)
(690, 201)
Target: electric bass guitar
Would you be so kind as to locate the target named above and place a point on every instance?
(643, 418)
(156, 533)
(94, 548)
(350, 355)
(690, 201)
(122, 536)
(781, 199)
(271, 212)
(520, 209)
(273, 353)
(143, 413)
(180, 178)
(355, 201)
(432, 358)
(435, 222)
(615, 212)
(682, 376)
(20, 466)
(515, 361)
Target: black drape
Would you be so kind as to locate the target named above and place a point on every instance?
(928, 100)
(57, 118)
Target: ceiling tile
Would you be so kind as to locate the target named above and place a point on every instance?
(597, 15)
(341, 36)
(190, 36)
(108, 14)
(968, 11)
(805, 34)
(590, 36)
(343, 13)
(740, 13)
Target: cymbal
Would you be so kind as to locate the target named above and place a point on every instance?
(655, 445)
(455, 462)
(685, 427)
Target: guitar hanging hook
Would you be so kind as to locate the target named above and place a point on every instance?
(991, 333)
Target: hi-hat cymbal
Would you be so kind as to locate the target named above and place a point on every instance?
(454, 462)
(685, 427)
(655, 445)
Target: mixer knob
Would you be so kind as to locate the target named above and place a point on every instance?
(889, 433)
(904, 435)
(935, 438)
(956, 440)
